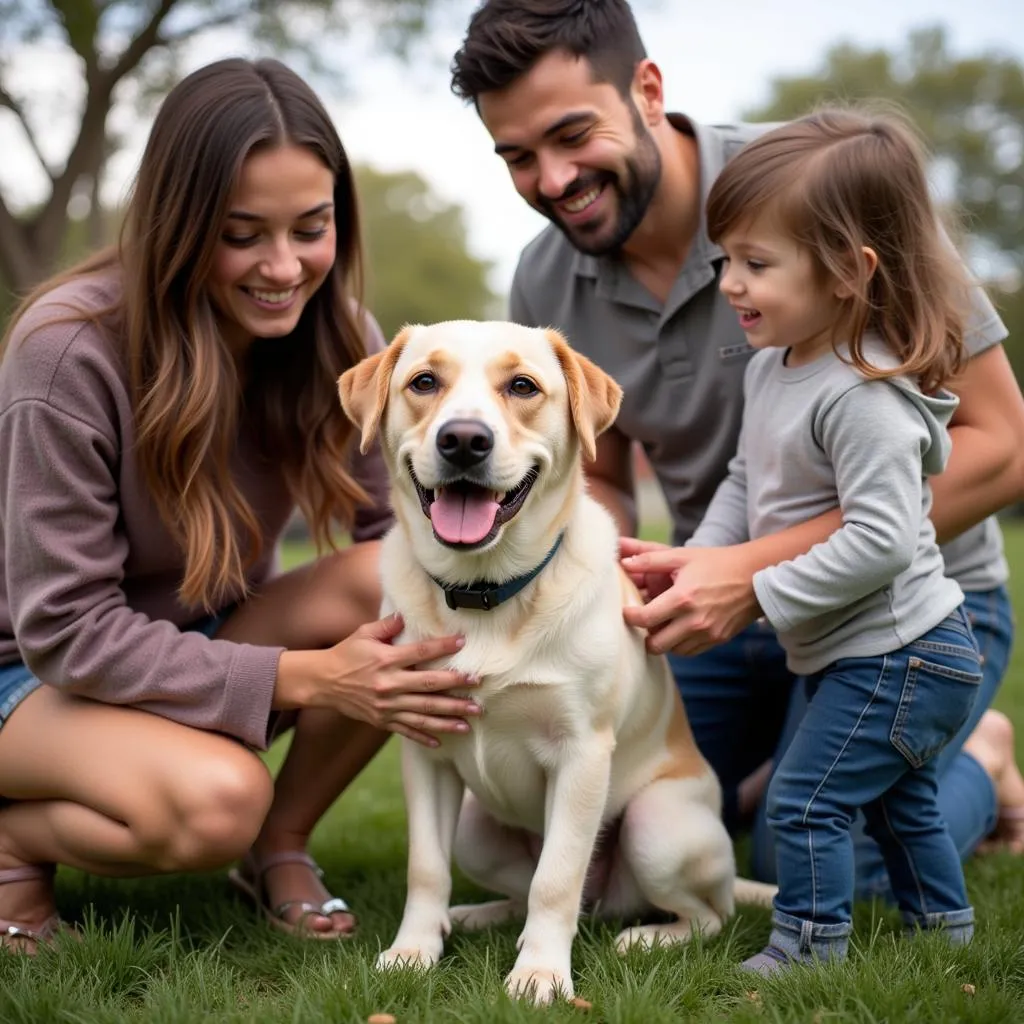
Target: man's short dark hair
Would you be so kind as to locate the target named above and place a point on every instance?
(506, 38)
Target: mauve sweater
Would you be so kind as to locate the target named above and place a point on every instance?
(88, 573)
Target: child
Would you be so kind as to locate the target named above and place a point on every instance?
(841, 276)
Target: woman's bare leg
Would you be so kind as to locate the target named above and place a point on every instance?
(327, 752)
(315, 606)
(116, 791)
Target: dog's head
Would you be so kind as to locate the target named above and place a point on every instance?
(478, 421)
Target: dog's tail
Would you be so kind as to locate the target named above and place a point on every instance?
(754, 894)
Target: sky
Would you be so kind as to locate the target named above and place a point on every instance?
(717, 60)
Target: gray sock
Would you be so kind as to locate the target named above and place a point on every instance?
(769, 961)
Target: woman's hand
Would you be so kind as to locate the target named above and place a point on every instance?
(369, 678)
(695, 598)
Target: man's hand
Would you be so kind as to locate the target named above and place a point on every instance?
(695, 598)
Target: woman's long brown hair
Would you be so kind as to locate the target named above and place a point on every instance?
(186, 391)
(839, 180)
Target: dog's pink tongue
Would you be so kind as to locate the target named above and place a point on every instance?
(461, 518)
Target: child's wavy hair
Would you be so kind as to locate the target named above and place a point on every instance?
(840, 180)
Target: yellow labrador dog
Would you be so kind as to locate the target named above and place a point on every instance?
(484, 427)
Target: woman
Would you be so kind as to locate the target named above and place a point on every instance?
(163, 408)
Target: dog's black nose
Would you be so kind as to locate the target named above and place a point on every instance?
(465, 443)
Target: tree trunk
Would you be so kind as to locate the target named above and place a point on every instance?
(19, 262)
(30, 247)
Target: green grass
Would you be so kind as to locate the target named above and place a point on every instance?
(179, 948)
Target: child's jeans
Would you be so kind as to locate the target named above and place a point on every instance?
(868, 740)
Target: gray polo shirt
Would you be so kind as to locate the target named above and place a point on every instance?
(681, 365)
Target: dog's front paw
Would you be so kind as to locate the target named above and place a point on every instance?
(542, 985)
(409, 957)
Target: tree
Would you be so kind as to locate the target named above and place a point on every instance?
(971, 111)
(137, 43)
(419, 269)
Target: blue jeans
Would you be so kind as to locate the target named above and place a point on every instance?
(869, 740)
(744, 707)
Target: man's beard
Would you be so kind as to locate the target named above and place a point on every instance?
(634, 195)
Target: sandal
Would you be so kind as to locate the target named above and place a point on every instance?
(254, 888)
(17, 937)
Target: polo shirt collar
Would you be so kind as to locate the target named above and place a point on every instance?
(711, 158)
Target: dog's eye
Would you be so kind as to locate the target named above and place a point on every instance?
(523, 387)
(423, 383)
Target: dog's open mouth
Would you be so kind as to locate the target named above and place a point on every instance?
(465, 514)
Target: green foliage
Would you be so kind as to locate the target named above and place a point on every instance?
(971, 112)
(419, 269)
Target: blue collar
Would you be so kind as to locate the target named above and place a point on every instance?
(482, 596)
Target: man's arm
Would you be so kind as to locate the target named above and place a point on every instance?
(610, 479)
(985, 472)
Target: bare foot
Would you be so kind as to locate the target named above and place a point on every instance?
(991, 745)
(752, 788)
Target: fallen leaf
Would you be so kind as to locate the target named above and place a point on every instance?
(968, 989)
(754, 997)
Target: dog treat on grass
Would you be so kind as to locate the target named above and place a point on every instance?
(580, 1004)
(380, 1018)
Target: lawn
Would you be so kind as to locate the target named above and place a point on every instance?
(180, 948)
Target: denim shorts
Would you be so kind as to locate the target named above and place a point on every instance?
(17, 682)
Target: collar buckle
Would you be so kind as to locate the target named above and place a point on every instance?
(480, 600)
(483, 596)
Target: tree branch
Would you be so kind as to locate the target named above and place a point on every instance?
(86, 157)
(146, 38)
(8, 101)
(80, 21)
(87, 153)
(172, 39)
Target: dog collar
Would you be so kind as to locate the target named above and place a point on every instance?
(483, 595)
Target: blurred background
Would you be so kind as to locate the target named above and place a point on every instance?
(80, 80)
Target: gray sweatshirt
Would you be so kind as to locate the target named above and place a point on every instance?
(816, 436)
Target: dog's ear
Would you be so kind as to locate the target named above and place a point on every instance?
(363, 389)
(594, 397)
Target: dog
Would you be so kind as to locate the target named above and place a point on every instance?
(484, 428)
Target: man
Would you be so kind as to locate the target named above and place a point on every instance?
(576, 109)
